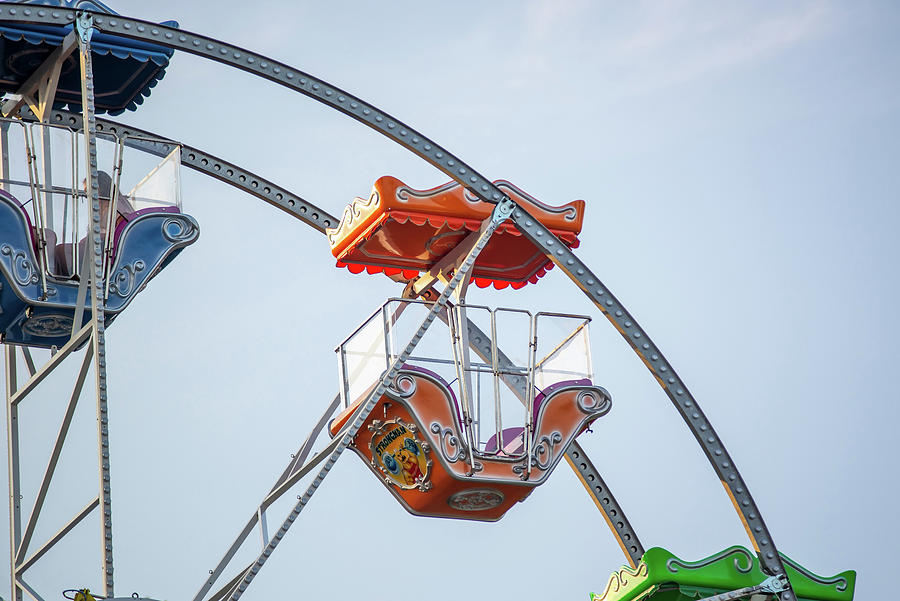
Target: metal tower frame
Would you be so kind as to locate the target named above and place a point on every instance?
(91, 336)
(409, 138)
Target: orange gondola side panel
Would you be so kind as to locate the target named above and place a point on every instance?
(400, 230)
(415, 442)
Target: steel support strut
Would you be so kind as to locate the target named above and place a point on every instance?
(713, 447)
(84, 28)
(12, 439)
(296, 469)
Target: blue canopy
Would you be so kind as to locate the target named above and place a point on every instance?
(125, 70)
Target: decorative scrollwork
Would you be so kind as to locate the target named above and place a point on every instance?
(351, 213)
(178, 229)
(23, 270)
(569, 213)
(840, 583)
(451, 447)
(594, 401)
(620, 578)
(542, 455)
(404, 192)
(404, 386)
(124, 279)
(673, 564)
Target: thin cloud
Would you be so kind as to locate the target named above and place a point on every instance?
(674, 46)
(644, 47)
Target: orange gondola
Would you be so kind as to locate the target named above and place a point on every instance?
(442, 445)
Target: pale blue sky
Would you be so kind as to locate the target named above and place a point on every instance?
(739, 163)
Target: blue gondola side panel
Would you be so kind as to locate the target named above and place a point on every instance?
(29, 316)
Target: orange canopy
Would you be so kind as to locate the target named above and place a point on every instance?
(399, 230)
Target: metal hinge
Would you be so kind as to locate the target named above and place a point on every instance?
(772, 585)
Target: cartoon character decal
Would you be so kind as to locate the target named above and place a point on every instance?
(399, 454)
(410, 463)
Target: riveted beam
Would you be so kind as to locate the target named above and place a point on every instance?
(210, 165)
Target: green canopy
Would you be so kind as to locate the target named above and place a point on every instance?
(660, 576)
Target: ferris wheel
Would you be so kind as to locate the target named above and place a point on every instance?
(459, 410)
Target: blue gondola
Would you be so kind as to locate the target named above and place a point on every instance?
(44, 225)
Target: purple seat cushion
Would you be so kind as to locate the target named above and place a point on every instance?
(511, 436)
(126, 219)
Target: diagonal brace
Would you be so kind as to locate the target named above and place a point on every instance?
(54, 456)
(43, 81)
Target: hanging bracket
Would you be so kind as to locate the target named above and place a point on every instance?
(771, 585)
